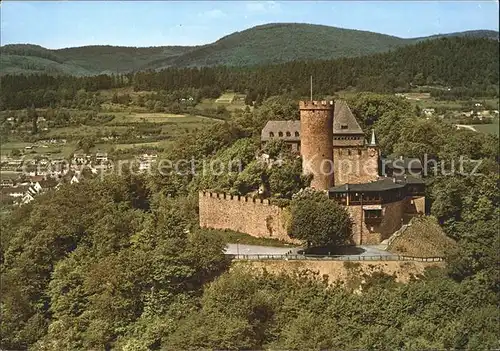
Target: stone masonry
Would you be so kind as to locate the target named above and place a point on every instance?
(316, 123)
(255, 217)
(355, 165)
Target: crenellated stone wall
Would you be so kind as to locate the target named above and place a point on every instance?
(355, 165)
(259, 218)
(256, 217)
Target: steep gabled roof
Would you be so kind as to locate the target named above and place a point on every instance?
(344, 121)
(275, 127)
(343, 116)
(382, 184)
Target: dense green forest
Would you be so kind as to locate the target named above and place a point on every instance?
(121, 263)
(470, 67)
(284, 42)
(265, 44)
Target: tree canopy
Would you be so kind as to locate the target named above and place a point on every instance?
(319, 221)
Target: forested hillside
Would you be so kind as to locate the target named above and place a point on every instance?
(283, 42)
(82, 61)
(453, 62)
(469, 67)
(265, 44)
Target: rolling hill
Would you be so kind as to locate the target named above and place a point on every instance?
(270, 43)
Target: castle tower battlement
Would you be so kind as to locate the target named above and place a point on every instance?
(315, 105)
(316, 124)
(230, 197)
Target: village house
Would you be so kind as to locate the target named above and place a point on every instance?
(15, 192)
(101, 157)
(146, 161)
(428, 112)
(81, 159)
(75, 178)
(7, 182)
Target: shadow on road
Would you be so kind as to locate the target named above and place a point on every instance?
(334, 251)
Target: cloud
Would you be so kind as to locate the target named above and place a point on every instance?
(263, 6)
(213, 14)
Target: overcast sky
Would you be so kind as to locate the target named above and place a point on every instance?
(57, 24)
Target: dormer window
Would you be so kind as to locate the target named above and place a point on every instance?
(280, 134)
(343, 126)
(288, 134)
(271, 134)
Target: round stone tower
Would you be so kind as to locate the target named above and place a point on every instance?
(316, 141)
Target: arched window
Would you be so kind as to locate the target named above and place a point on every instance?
(271, 134)
(288, 134)
(349, 152)
(297, 134)
(359, 152)
(280, 134)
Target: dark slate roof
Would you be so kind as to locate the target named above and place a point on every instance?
(403, 162)
(281, 126)
(13, 190)
(408, 179)
(382, 184)
(37, 178)
(343, 116)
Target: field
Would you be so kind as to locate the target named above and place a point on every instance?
(162, 118)
(488, 128)
(226, 98)
(417, 96)
(124, 123)
(230, 101)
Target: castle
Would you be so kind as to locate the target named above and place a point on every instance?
(343, 164)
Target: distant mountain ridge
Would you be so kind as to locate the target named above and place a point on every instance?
(482, 33)
(264, 44)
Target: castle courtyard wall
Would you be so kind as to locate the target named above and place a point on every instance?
(256, 217)
(259, 218)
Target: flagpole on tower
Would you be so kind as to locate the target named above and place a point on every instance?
(311, 87)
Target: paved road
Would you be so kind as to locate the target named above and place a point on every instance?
(242, 249)
(464, 126)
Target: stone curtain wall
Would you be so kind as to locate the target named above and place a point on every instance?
(255, 217)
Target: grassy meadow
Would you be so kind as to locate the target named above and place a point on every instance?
(492, 128)
(167, 126)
